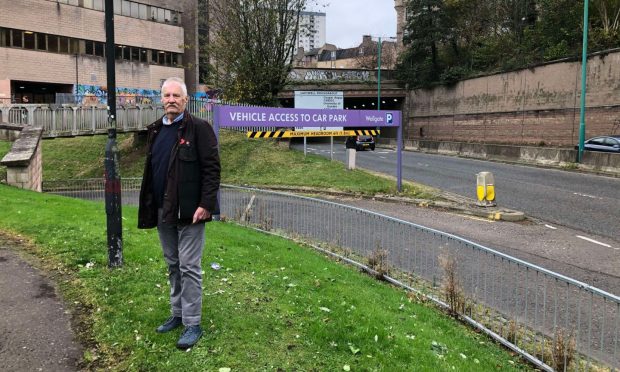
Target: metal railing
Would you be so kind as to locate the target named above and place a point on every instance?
(75, 120)
(526, 307)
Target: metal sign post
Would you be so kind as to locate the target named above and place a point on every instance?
(112, 160)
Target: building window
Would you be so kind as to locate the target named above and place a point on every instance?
(28, 40)
(63, 44)
(74, 46)
(154, 57)
(88, 4)
(99, 49)
(89, 47)
(135, 13)
(135, 54)
(117, 6)
(126, 8)
(119, 51)
(52, 43)
(4, 37)
(143, 56)
(161, 15)
(142, 11)
(99, 5)
(41, 41)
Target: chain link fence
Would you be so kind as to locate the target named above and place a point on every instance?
(552, 320)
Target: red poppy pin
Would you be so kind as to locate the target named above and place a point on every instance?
(182, 142)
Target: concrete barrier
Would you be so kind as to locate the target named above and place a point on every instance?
(10, 132)
(23, 161)
(599, 162)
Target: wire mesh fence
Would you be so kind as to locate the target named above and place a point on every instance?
(552, 320)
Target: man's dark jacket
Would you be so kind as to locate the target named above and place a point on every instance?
(193, 174)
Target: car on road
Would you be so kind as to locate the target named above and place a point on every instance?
(602, 143)
(360, 143)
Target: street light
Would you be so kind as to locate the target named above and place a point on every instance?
(584, 63)
(379, 71)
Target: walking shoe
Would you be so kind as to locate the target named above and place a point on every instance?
(170, 324)
(189, 337)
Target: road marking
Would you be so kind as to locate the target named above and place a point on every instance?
(593, 241)
(384, 152)
(551, 227)
(586, 195)
(382, 157)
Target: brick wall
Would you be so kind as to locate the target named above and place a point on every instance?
(62, 19)
(67, 20)
(531, 106)
(28, 65)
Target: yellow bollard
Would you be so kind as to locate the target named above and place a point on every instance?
(485, 189)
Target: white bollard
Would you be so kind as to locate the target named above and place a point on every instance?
(351, 158)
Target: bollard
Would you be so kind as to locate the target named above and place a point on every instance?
(351, 158)
(485, 189)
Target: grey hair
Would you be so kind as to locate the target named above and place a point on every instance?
(178, 81)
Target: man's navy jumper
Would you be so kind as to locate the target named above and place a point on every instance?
(160, 158)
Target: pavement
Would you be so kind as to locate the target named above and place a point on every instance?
(34, 323)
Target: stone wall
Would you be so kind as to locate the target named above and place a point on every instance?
(24, 161)
(535, 106)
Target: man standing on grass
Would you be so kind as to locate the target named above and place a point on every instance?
(178, 195)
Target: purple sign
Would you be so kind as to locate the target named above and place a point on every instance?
(239, 116)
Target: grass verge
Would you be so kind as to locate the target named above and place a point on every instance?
(272, 305)
(260, 162)
(5, 146)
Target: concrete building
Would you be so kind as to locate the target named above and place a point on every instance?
(51, 47)
(312, 30)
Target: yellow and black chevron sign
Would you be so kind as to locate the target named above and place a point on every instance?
(365, 132)
(312, 133)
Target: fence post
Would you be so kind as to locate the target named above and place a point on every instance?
(92, 119)
(74, 129)
(30, 114)
(53, 131)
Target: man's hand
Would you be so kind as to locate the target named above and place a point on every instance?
(201, 214)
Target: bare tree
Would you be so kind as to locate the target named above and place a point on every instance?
(251, 46)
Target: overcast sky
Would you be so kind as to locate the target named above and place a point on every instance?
(348, 20)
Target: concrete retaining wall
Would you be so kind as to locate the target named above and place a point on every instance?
(24, 162)
(534, 106)
(10, 132)
(599, 162)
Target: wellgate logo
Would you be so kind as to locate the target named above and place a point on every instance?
(374, 119)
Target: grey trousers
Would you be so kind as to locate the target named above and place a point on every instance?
(182, 246)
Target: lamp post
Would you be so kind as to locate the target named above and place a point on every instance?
(379, 46)
(112, 161)
(379, 77)
(584, 64)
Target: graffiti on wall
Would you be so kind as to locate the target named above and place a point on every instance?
(329, 75)
(98, 95)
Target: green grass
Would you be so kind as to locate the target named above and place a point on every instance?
(82, 157)
(5, 146)
(250, 162)
(274, 305)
